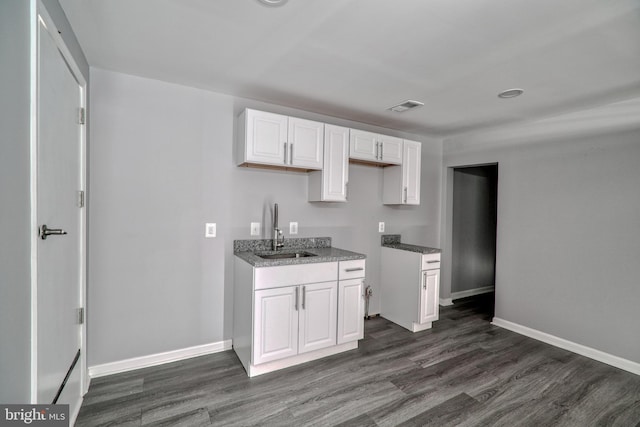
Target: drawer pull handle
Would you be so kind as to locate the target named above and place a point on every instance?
(432, 262)
(349, 270)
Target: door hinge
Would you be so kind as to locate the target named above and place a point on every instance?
(81, 316)
(81, 115)
(80, 199)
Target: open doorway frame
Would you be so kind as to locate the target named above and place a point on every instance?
(448, 261)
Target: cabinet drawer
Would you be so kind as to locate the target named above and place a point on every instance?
(297, 274)
(430, 261)
(351, 269)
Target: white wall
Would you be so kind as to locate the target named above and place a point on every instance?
(15, 250)
(568, 235)
(161, 166)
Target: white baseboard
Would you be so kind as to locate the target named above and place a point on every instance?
(472, 292)
(444, 302)
(583, 350)
(157, 359)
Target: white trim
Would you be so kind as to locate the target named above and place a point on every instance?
(472, 292)
(158, 359)
(445, 302)
(583, 350)
(275, 365)
(33, 176)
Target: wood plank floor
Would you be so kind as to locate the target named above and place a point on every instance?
(462, 372)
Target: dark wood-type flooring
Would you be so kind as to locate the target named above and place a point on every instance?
(462, 372)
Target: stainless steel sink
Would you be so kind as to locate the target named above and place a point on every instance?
(285, 255)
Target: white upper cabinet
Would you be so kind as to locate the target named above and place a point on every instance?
(305, 143)
(401, 184)
(330, 184)
(390, 150)
(375, 148)
(273, 139)
(262, 138)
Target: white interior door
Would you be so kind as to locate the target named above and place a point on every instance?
(59, 174)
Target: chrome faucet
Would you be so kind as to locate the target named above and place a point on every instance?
(278, 237)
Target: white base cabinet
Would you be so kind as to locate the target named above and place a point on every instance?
(286, 315)
(351, 301)
(410, 288)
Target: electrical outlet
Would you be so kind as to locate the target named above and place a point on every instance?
(255, 228)
(381, 227)
(210, 230)
(293, 228)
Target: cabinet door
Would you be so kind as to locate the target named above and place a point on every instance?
(318, 316)
(275, 324)
(306, 139)
(363, 145)
(335, 173)
(411, 172)
(429, 293)
(266, 136)
(391, 150)
(350, 310)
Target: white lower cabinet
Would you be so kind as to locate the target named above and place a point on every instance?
(287, 315)
(410, 288)
(351, 300)
(429, 296)
(293, 320)
(351, 310)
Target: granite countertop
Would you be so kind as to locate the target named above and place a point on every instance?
(393, 241)
(319, 246)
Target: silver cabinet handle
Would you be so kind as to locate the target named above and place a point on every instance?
(377, 150)
(304, 296)
(381, 150)
(348, 270)
(424, 280)
(432, 262)
(296, 306)
(286, 147)
(291, 153)
(346, 190)
(46, 231)
(405, 194)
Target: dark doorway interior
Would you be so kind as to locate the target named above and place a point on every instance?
(475, 196)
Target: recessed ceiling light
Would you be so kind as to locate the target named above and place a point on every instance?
(406, 105)
(273, 2)
(510, 93)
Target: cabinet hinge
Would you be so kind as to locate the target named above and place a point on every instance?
(81, 316)
(80, 199)
(81, 115)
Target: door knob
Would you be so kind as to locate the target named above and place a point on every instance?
(46, 231)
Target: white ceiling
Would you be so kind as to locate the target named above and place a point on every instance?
(355, 58)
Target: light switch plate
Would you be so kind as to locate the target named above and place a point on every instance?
(255, 228)
(210, 230)
(381, 227)
(293, 228)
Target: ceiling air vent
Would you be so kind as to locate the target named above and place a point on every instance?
(406, 105)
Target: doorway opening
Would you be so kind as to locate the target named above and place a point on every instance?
(473, 245)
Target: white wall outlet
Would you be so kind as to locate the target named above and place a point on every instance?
(255, 228)
(293, 228)
(381, 227)
(210, 230)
